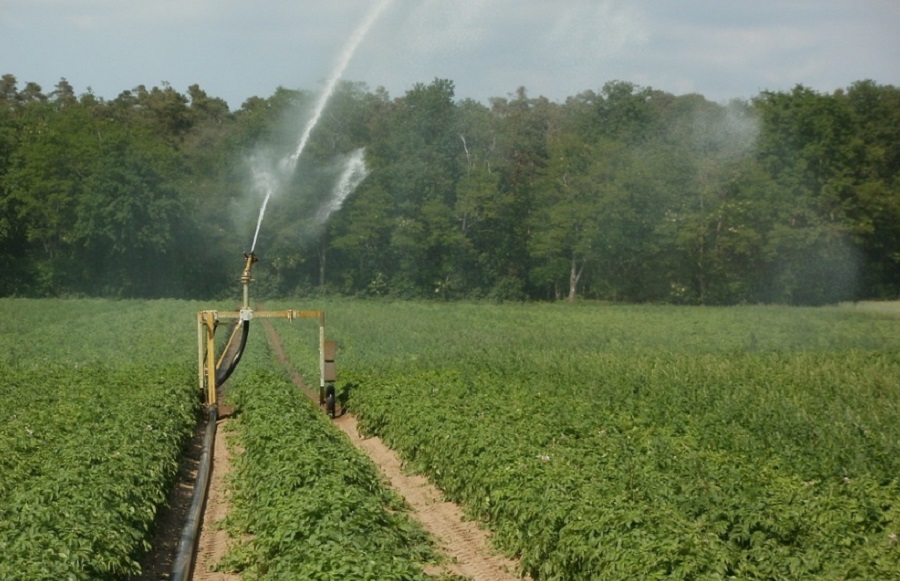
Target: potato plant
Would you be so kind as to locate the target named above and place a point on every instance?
(645, 442)
(305, 503)
(95, 407)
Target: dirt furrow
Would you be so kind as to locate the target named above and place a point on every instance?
(157, 563)
(213, 542)
(464, 542)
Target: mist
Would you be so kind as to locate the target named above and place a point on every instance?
(353, 173)
(270, 174)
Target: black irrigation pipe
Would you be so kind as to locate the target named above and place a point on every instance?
(190, 534)
(233, 352)
(187, 547)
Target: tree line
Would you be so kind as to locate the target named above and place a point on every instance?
(622, 194)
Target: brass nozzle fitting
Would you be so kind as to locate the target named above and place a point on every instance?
(251, 258)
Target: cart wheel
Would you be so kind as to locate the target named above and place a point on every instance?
(329, 401)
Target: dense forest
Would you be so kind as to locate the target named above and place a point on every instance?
(626, 194)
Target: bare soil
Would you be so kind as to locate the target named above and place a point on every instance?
(465, 543)
(157, 563)
(213, 542)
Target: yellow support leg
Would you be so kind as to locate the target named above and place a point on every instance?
(210, 358)
(200, 353)
(207, 322)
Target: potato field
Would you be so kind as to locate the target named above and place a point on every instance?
(595, 441)
(646, 442)
(97, 399)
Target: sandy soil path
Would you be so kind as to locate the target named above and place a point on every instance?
(213, 542)
(465, 543)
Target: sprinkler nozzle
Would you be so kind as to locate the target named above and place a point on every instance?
(251, 258)
(245, 280)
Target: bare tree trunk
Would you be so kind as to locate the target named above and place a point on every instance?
(574, 277)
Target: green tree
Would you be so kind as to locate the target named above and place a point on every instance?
(413, 156)
(13, 261)
(522, 148)
(43, 185)
(712, 231)
(129, 216)
(362, 238)
(567, 224)
(603, 193)
(873, 190)
(94, 199)
(479, 200)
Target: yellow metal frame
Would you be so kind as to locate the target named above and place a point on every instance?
(208, 321)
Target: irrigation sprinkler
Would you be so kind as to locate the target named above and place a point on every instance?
(213, 370)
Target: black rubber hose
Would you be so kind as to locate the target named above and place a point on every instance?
(187, 546)
(233, 353)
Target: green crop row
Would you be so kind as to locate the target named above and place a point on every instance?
(97, 399)
(598, 442)
(38, 332)
(88, 457)
(583, 490)
(304, 502)
(645, 442)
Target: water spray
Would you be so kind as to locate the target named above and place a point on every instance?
(267, 181)
(352, 175)
(263, 181)
(343, 61)
(212, 372)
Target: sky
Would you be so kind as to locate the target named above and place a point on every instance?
(236, 49)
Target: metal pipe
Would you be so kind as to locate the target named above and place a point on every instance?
(321, 357)
(245, 278)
